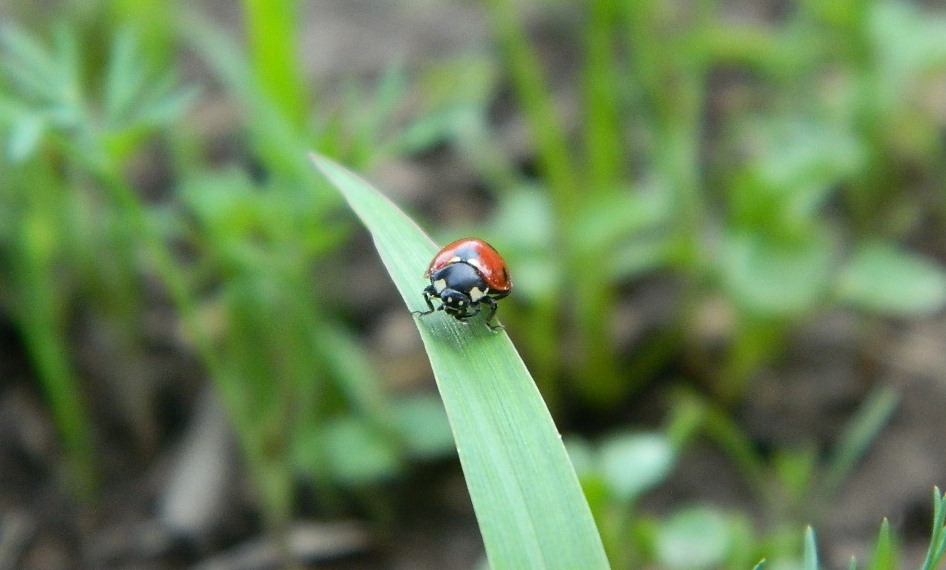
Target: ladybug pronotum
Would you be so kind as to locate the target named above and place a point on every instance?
(467, 275)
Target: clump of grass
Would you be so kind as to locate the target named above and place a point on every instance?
(743, 217)
(296, 383)
(55, 125)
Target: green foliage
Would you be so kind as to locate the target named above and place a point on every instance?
(782, 169)
(50, 117)
(770, 245)
(297, 386)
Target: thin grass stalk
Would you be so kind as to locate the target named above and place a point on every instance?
(938, 535)
(173, 277)
(669, 67)
(885, 556)
(274, 46)
(151, 20)
(44, 326)
(601, 78)
(554, 158)
(603, 173)
(274, 477)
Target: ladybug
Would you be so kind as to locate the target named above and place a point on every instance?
(465, 275)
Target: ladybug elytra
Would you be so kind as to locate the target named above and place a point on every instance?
(466, 275)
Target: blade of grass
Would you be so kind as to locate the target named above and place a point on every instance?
(529, 504)
(938, 537)
(863, 429)
(279, 141)
(525, 72)
(36, 264)
(885, 557)
(271, 25)
(810, 552)
(603, 126)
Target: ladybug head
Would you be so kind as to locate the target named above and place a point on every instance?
(455, 303)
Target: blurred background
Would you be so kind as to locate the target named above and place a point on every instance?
(724, 219)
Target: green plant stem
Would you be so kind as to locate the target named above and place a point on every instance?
(554, 159)
(44, 325)
(862, 430)
(151, 20)
(755, 342)
(669, 67)
(594, 293)
(554, 156)
(542, 344)
(938, 535)
(597, 370)
(602, 124)
(274, 45)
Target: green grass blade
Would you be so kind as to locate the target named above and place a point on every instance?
(810, 552)
(272, 28)
(861, 431)
(938, 536)
(884, 552)
(529, 504)
(538, 107)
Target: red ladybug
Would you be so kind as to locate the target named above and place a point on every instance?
(465, 275)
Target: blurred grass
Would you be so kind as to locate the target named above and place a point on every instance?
(778, 168)
(76, 119)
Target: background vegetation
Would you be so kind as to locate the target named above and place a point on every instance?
(684, 192)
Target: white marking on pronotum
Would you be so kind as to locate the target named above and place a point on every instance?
(440, 285)
(476, 294)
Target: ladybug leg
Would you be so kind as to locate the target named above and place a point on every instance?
(491, 307)
(429, 293)
(470, 311)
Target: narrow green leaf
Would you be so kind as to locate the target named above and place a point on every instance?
(272, 26)
(810, 554)
(527, 498)
(860, 432)
(938, 536)
(125, 78)
(884, 554)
